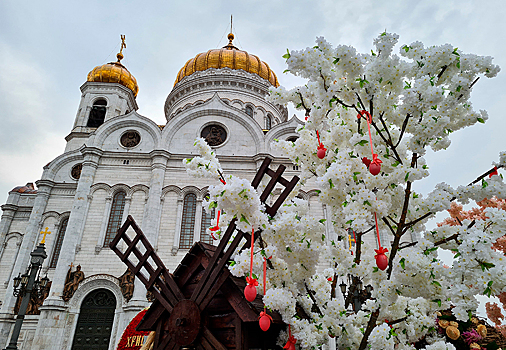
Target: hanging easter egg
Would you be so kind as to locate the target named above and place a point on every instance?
(264, 321)
(374, 168)
(321, 151)
(381, 258)
(250, 292)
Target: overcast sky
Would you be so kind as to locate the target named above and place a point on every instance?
(48, 47)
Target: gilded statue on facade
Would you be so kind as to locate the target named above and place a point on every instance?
(72, 282)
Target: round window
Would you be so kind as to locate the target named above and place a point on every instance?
(76, 171)
(214, 134)
(130, 139)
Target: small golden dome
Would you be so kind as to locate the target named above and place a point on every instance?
(114, 72)
(228, 57)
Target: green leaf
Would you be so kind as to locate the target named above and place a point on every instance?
(375, 269)
(336, 59)
(243, 219)
(213, 205)
(429, 250)
(406, 48)
(485, 265)
(287, 54)
(403, 263)
(481, 120)
(318, 191)
(331, 184)
(232, 263)
(349, 222)
(322, 221)
(362, 142)
(244, 190)
(406, 177)
(372, 53)
(484, 183)
(436, 283)
(323, 237)
(367, 203)
(455, 51)
(288, 249)
(286, 71)
(438, 301)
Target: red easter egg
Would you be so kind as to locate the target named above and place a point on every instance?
(375, 168)
(265, 322)
(321, 153)
(381, 261)
(250, 292)
(366, 161)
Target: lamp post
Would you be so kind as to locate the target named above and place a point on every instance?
(356, 293)
(24, 285)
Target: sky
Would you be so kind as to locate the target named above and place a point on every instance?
(48, 47)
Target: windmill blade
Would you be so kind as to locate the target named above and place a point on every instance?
(165, 289)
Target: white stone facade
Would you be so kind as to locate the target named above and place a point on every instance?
(152, 176)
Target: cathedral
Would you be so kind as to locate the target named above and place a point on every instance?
(118, 163)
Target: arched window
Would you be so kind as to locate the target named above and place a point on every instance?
(206, 223)
(117, 208)
(188, 221)
(292, 138)
(97, 113)
(58, 243)
(249, 111)
(268, 122)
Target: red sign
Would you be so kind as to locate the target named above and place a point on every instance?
(132, 339)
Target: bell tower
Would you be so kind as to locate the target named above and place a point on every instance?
(109, 91)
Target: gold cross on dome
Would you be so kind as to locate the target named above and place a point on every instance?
(46, 232)
(123, 44)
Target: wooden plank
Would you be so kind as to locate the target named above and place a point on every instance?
(237, 301)
(149, 321)
(273, 210)
(211, 339)
(215, 269)
(206, 298)
(212, 264)
(272, 183)
(261, 172)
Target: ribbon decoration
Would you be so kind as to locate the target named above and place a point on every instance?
(493, 172)
(250, 291)
(265, 319)
(217, 227)
(290, 344)
(320, 150)
(381, 258)
(374, 165)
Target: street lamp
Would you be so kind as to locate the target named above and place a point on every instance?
(24, 285)
(356, 293)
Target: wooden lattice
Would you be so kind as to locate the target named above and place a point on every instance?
(181, 324)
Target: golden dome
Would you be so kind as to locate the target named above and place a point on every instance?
(228, 57)
(114, 72)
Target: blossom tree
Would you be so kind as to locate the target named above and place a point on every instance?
(369, 120)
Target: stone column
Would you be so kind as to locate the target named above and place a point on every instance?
(49, 333)
(31, 235)
(150, 223)
(9, 209)
(177, 231)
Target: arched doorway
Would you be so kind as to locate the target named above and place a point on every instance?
(93, 330)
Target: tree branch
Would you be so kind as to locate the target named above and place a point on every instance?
(400, 227)
(368, 330)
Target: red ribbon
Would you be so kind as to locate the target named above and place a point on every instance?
(217, 227)
(493, 172)
(251, 261)
(290, 344)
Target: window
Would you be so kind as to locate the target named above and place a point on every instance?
(206, 223)
(268, 122)
(249, 111)
(188, 221)
(97, 113)
(117, 208)
(58, 243)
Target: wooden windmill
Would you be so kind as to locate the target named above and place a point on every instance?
(189, 303)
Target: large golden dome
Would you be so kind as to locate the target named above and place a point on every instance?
(114, 72)
(228, 57)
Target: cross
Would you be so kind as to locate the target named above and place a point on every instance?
(123, 44)
(46, 232)
(230, 23)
